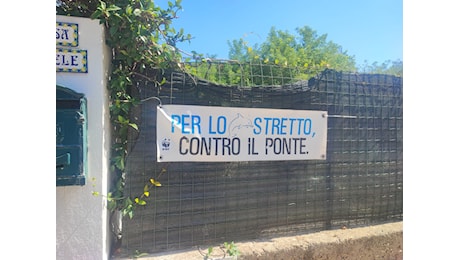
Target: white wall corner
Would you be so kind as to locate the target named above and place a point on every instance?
(82, 228)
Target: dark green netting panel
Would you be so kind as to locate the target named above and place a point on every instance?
(200, 204)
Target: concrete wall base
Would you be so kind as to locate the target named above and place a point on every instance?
(374, 242)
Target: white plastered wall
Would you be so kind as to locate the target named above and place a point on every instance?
(82, 218)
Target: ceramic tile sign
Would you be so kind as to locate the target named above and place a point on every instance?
(66, 34)
(225, 134)
(70, 60)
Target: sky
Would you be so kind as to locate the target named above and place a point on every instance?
(369, 30)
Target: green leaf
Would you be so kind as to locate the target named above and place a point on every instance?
(134, 126)
(113, 8)
(140, 202)
(111, 205)
(120, 164)
(97, 14)
(121, 119)
(129, 10)
(154, 182)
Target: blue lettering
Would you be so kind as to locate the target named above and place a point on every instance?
(221, 125)
(66, 60)
(267, 120)
(300, 124)
(184, 124)
(188, 124)
(257, 128)
(210, 126)
(292, 120)
(175, 121)
(62, 34)
(196, 120)
(283, 126)
(305, 131)
(73, 60)
(276, 125)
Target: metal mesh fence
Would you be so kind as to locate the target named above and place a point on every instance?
(201, 204)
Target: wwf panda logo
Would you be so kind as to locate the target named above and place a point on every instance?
(165, 144)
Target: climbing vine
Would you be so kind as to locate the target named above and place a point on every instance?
(141, 38)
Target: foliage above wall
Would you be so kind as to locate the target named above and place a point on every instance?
(306, 50)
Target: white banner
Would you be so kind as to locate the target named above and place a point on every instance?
(225, 134)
